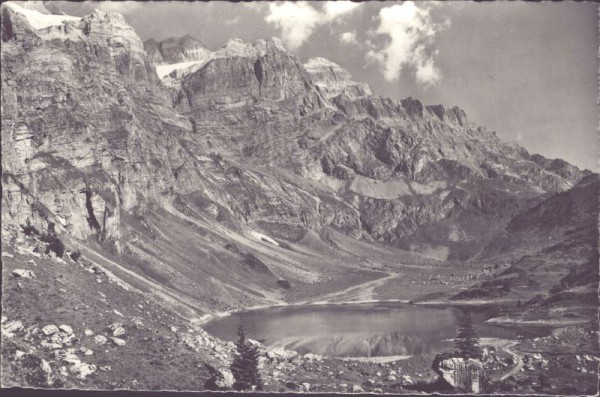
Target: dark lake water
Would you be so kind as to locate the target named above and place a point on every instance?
(357, 330)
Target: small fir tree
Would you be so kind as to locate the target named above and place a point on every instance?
(245, 364)
(467, 340)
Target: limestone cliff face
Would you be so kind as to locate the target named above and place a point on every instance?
(176, 50)
(240, 74)
(81, 113)
(333, 80)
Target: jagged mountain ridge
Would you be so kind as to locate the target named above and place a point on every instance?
(261, 152)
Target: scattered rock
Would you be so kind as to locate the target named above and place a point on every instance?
(19, 354)
(51, 345)
(23, 273)
(173, 329)
(82, 370)
(100, 339)
(50, 329)
(357, 389)
(117, 329)
(378, 390)
(305, 387)
(117, 341)
(9, 328)
(86, 351)
(66, 328)
(406, 380)
(391, 378)
(105, 368)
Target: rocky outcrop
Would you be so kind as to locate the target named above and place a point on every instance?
(466, 375)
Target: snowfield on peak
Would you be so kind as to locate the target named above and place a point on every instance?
(164, 70)
(37, 20)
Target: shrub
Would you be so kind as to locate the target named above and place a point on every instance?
(28, 229)
(55, 245)
(75, 255)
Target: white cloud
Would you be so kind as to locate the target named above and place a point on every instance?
(334, 9)
(348, 38)
(121, 7)
(298, 20)
(410, 31)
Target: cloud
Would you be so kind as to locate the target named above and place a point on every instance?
(348, 38)
(410, 31)
(334, 9)
(121, 7)
(298, 20)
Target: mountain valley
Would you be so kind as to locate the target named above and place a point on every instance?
(187, 184)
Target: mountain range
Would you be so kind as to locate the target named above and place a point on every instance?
(245, 176)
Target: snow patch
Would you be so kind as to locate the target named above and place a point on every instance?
(37, 20)
(263, 237)
(165, 70)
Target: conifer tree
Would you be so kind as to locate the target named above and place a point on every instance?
(245, 364)
(467, 340)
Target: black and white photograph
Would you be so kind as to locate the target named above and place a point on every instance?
(299, 197)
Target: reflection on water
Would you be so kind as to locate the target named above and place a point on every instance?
(353, 331)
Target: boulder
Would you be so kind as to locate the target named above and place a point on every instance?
(66, 329)
(100, 339)
(305, 387)
(406, 380)
(86, 351)
(462, 374)
(357, 389)
(280, 353)
(222, 379)
(50, 329)
(23, 273)
(117, 329)
(88, 332)
(117, 341)
(82, 370)
(9, 328)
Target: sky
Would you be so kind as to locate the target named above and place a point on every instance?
(529, 71)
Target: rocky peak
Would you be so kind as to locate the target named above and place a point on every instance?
(176, 50)
(334, 80)
(454, 115)
(241, 73)
(237, 48)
